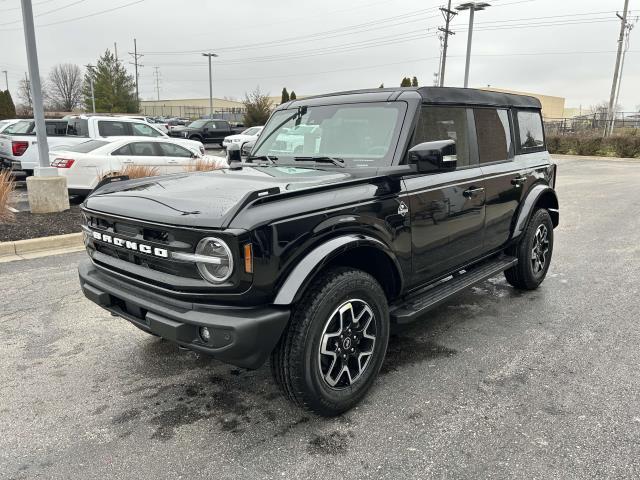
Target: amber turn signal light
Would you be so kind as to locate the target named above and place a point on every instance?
(248, 258)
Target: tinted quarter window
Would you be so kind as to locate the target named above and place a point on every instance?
(442, 123)
(125, 150)
(112, 128)
(530, 130)
(140, 129)
(494, 134)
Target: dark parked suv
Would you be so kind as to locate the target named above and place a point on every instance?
(388, 203)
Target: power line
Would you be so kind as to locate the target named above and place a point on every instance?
(47, 12)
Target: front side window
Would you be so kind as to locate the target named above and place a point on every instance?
(195, 124)
(530, 130)
(110, 128)
(493, 133)
(171, 150)
(143, 130)
(361, 134)
(220, 125)
(443, 123)
(251, 131)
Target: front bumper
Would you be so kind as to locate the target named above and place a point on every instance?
(240, 336)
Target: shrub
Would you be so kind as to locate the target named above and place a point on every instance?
(7, 185)
(626, 146)
(203, 165)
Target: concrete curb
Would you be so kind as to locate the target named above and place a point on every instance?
(40, 247)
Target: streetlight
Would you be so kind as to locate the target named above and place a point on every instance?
(472, 7)
(210, 82)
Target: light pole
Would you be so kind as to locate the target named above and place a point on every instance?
(210, 83)
(472, 7)
(93, 96)
(46, 190)
(6, 78)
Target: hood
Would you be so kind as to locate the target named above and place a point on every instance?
(205, 199)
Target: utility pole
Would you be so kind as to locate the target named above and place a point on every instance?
(6, 79)
(136, 56)
(115, 50)
(472, 7)
(614, 84)
(93, 97)
(448, 16)
(628, 27)
(210, 82)
(157, 75)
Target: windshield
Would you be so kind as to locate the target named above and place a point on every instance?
(251, 131)
(23, 127)
(362, 134)
(197, 123)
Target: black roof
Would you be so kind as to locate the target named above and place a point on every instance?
(472, 96)
(438, 95)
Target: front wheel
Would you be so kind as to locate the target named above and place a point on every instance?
(335, 344)
(533, 252)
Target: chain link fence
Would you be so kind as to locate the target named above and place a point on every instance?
(235, 114)
(592, 124)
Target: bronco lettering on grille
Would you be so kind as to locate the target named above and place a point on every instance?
(129, 245)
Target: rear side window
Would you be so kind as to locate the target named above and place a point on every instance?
(143, 149)
(171, 150)
(25, 127)
(109, 128)
(143, 130)
(531, 134)
(78, 127)
(221, 125)
(442, 123)
(86, 147)
(124, 150)
(56, 128)
(493, 133)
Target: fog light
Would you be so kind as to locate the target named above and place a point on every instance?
(205, 334)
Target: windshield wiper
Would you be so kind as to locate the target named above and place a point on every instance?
(337, 161)
(270, 158)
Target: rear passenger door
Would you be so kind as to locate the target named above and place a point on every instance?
(510, 145)
(447, 209)
(143, 154)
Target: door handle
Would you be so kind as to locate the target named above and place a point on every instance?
(472, 192)
(172, 161)
(518, 181)
(127, 160)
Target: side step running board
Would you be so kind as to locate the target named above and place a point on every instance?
(419, 303)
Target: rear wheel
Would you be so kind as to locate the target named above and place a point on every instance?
(533, 252)
(335, 344)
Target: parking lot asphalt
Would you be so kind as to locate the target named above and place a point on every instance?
(493, 384)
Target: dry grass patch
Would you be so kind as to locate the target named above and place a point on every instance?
(203, 165)
(7, 186)
(140, 171)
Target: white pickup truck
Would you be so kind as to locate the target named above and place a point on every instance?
(18, 144)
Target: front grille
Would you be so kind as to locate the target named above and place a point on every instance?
(168, 238)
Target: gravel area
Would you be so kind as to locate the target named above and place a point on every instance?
(28, 225)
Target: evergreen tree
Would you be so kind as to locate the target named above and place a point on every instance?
(406, 82)
(114, 87)
(293, 95)
(4, 104)
(285, 96)
(10, 105)
(381, 85)
(414, 81)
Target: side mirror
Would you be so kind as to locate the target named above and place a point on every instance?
(234, 157)
(434, 156)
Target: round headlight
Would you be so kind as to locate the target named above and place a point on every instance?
(220, 266)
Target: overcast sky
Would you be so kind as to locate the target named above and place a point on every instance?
(565, 48)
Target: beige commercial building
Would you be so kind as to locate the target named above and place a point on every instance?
(189, 107)
(552, 107)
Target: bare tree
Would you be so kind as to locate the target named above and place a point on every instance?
(25, 98)
(258, 108)
(65, 86)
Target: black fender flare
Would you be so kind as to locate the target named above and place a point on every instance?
(529, 204)
(304, 271)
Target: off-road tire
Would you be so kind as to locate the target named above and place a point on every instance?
(522, 275)
(295, 360)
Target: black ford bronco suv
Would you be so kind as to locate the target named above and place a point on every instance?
(354, 212)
